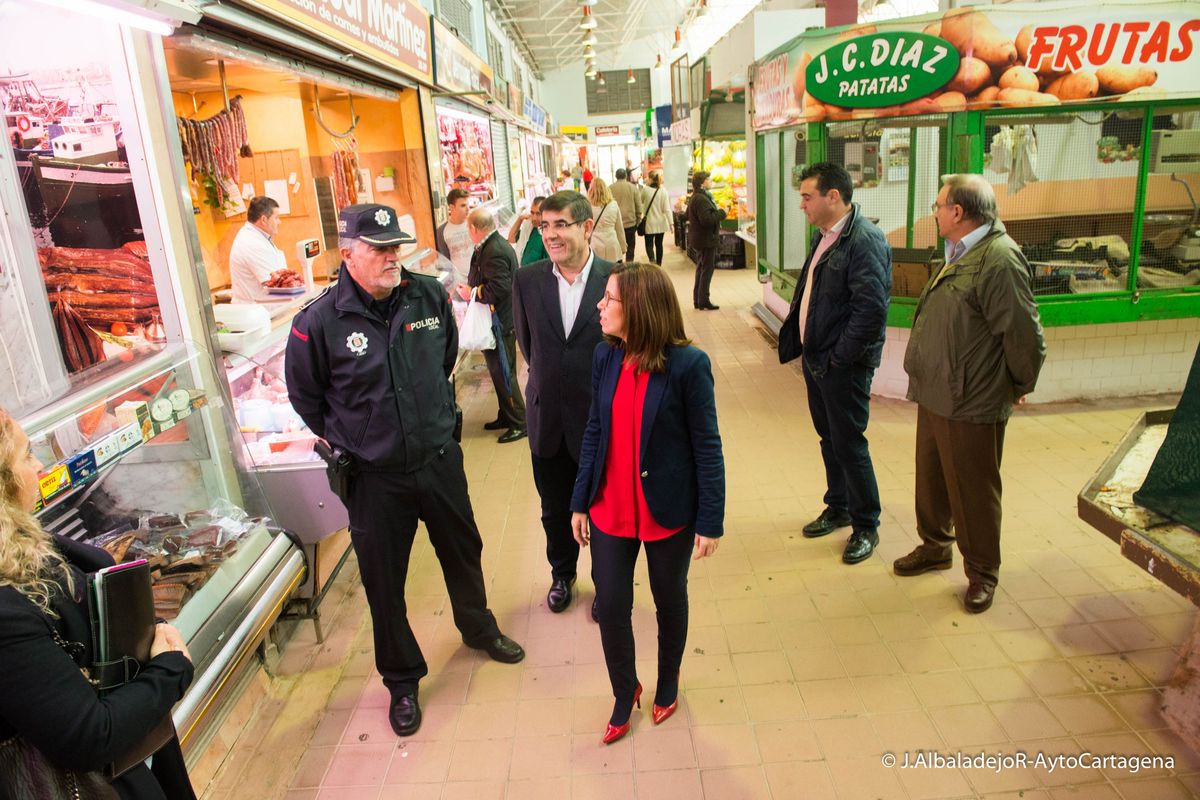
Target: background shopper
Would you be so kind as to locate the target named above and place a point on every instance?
(703, 236)
(657, 210)
(608, 233)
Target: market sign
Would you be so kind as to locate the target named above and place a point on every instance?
(576, 133)
(881, 69)
(455, 67)
(980, 58)
(608, 130)
(393, 32)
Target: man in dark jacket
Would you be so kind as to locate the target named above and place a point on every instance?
(704, 236)
(368, 365)
(558, 328)
(837, 323)
(493, 266)
(976, 348)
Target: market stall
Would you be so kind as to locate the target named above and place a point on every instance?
(1087, 131)
(106, 348)
(470, 142)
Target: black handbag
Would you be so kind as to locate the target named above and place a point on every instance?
(641, 226)
(26, 774)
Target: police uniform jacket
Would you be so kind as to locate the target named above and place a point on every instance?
(373, 378)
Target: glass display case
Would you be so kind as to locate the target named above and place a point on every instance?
(139, 466)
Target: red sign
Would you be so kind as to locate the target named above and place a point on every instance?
(773, 97)
(608, 130)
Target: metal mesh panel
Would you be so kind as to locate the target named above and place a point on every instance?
(1070, 206)
(500, 162)
(768, 215)
(1170, 252)
(457, 16)
(795, 234)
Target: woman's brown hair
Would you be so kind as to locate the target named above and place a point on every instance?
(653, 320)
(698, 179)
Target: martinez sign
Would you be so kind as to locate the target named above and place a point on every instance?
(392, 32)
(881, 69)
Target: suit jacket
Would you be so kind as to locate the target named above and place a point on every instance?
(46, 699)
(493, 265)
(681, 464)
(559, 391)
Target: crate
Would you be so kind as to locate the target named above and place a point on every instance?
(731, 251)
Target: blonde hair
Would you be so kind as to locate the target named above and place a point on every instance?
(29, 561)
(599, 194)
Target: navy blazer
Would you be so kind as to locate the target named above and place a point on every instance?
(682, 468)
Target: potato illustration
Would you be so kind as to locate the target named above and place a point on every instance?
(859, 30)
(1024, 39)
(1081, 85)
(1024, 97)
(987, 96)
(951, 101)
(1119, 80)
(1020, 78)
(973, 74)
(922, 105)
(973, 34)
(799, 78)
(933, 29)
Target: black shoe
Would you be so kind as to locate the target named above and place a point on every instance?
(860, 546)
(495, 425)
(709, 307)
(979, 597)
(918, 562)
(595, 610)
(512, 435)
(405, 714)
(504, 650)
(828, 522)
(559, 596)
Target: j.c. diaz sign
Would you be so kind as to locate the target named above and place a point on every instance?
(393, 32)
(1007, 56)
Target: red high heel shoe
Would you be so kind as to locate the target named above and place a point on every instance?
(660, 714)
(614, 732)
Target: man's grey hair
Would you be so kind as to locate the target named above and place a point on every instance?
(348, 242)
(481, 219)
(974, 194)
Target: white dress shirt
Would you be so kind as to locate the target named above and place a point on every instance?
(252, 259)
(956, 251)
(570, 295)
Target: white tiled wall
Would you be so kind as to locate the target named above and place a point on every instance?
(1086, 361)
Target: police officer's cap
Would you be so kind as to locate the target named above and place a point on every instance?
(374, 224)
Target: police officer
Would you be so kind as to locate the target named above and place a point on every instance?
(368, 367)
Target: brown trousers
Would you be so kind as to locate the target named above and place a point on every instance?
(958, 491)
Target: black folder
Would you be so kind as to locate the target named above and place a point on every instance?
(123, 630)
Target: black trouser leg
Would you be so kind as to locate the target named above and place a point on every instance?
(654, 247)
(668, 561)
(630, 242)
(555, 481)
(383, 520)
(445, 507)
(509, 397)
(839, 402)
(704, 273)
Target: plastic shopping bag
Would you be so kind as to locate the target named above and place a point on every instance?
(475, 333)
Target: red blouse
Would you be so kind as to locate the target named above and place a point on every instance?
(620, 506)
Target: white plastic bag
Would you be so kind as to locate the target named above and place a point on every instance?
(475, 333)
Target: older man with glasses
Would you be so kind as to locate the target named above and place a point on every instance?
(558, 327)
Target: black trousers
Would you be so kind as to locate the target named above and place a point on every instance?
(384, 510)
(509, 397)
(631, 238)
(704, 274)
(839, 402)
(555, 481)
(654, 245)
(668, 560)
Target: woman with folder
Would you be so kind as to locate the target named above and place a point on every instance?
(54, 728)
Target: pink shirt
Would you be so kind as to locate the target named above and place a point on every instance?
(827, 239)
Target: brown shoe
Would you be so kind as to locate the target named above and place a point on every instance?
(918, 562)
(979, 597)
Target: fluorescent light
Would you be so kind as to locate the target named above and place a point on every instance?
(120, 15)
(588, 22)
(703, 9)
(677, 48)
(591, 71)
(631, 78)
(659, 64)
(588, 52)
(590, 38)
(602, 83)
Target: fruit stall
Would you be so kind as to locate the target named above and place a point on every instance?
(1083, 117)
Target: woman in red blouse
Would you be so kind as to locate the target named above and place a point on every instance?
(650, 472)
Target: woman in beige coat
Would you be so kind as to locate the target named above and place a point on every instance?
(658, 216)
(608, 236)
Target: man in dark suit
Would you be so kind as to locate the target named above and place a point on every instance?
(836, 326)
(493, 265)
(558, 326)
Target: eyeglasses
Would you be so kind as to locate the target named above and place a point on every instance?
(608, 298)
(937, 205)
(558, 227)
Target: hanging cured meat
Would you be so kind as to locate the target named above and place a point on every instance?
(81, 347)
(213, 146)
(345, 178)
(102, 286)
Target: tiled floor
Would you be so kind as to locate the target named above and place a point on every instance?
(800, 673)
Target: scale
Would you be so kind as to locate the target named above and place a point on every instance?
(307, 251)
